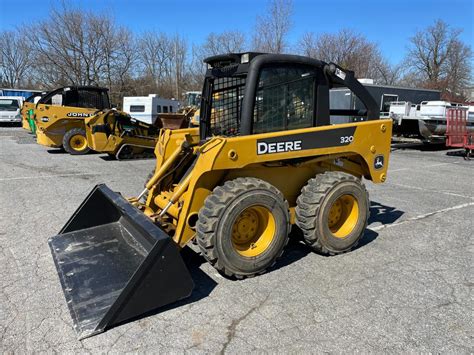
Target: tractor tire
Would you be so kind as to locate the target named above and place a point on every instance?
(243, 227)
(75, 142)
(332, 212)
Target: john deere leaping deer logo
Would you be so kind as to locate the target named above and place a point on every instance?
(378, 162)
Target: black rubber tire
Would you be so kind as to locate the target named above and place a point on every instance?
(217, 216)
(67, 138)
(313, 206)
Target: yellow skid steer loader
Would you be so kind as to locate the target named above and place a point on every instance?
(264, 158)
(60, 115)
(119, 135)
(123, 137)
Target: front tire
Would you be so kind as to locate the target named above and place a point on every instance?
(75, 142)
(243, 227)
(332, 211)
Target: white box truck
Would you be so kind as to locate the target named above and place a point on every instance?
(147, 108)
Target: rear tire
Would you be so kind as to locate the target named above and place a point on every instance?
(243, 227)
(332, 211)
(75, 142)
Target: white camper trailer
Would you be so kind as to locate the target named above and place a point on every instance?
(147, 108)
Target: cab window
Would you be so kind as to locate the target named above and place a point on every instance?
(284, 99)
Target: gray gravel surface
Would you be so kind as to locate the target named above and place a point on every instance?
(406, 288)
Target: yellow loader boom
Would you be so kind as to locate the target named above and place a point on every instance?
(265, 156)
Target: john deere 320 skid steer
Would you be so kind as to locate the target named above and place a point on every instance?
(267, 158)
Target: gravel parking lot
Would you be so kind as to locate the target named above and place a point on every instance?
(407, 287)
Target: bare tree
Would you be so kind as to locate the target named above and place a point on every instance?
(351, 51)
(271, 30)
(388, 74)
(308, 45)
(155, 54)
(216, 43)
(15, 58)
(440, 59)
(179, 67)
(225, 42)
(81, 48)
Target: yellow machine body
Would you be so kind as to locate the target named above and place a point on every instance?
(60, 111)
(27, 106)
(110, 130)
(53, 122)
(221, 159)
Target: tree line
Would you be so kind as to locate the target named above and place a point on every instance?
(77, 47)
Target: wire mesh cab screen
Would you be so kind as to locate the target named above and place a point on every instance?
(226, 102)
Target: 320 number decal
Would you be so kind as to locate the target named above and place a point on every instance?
(347, 139)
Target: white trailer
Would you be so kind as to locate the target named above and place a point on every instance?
(147, 108)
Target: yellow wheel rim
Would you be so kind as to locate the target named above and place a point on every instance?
(78, 142)
(343, 216)
(253, 231)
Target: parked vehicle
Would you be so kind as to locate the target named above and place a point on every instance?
(10, 108)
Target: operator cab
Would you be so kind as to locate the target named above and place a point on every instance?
(252, 93)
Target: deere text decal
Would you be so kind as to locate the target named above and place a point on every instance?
(308, 140)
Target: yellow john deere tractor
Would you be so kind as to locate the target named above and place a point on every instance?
(60, 114)
(266, 158)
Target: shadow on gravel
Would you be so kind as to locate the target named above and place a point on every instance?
(462, 153)
(62, 151)
(203, 286)
(57, 151)
(108, 157)
(433, 147)
(294, 251)
(10, 124)
(383, 214)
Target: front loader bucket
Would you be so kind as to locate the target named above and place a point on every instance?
(114, 264)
